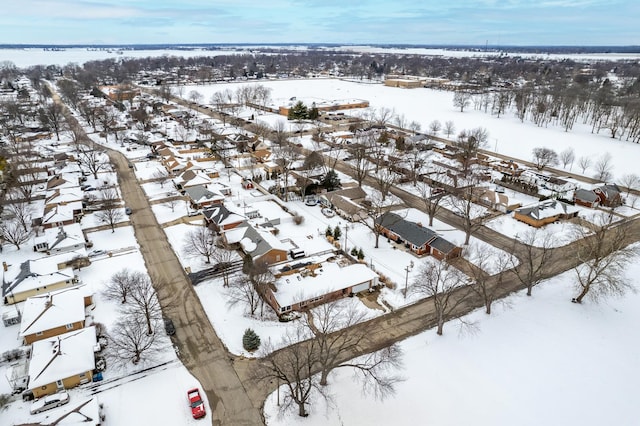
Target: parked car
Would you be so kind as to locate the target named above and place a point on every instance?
(48, 402)
(94, 253)
(194, 213)
(197, 405)
(169, 327)
(128, 210)
(328, 212)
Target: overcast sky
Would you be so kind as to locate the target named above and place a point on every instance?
(497, 22)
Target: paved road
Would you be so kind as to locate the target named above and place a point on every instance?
(200, 349)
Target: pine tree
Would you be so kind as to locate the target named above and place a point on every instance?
(360, 254)
(337, 232)
(250, 340)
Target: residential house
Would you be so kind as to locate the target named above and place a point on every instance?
(347, 203)
(317, 283)
(62, 362)
(60, 240)
(495, 200)
(545, 212)
(220, 218)
(201, 197)
(59, 215)
(33, 278)
(191, 178)
(560, 187)
(416, 237)
(259, 242)
(55, 313)
(586, 197)
(609, 195)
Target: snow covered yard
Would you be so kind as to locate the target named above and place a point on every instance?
(542, 360)
(563, 232)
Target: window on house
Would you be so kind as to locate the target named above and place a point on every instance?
(39, 333)
(69, 326)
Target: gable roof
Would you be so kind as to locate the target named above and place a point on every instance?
(409, 231)
(220, 215)
(41, 313)
(545, 209)
(199, 194)
(62, 356)
(31, 275)
(585, 195)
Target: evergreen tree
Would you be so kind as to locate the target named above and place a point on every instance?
(337, 233)
(330, 181)
(298, 112)
(328, 232)
(250, 340)
(360, 254)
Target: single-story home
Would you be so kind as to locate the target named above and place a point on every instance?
(586, 197)
(417, 237)
(545, 212)
(316, 284)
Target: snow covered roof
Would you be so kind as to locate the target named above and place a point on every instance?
(60, 213)
(546, 209)
(328, 278)
(64, 236)
(62, 356)
(59, 308)
(34, 274)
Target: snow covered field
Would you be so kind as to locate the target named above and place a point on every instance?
(507, 135)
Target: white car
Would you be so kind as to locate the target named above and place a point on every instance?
(48, 402)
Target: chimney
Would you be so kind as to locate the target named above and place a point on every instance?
(5, 266)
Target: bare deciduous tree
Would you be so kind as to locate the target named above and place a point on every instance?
(332, 325)
(200, 241)
(461, 99)
(529, 269)
(144, 300)
(487, 264)
(130, 342)
(111, 212)
(445, 285)
(22, 212)
(584, 162)
(604, 255)
(630, 181)
(292, 366)
(93, 160)
(435, 127)
(120, 285)
(603, 168)
(13, 232)
(242, 291)
(543, 157)
(449, 128)
(432, 199)
(567, 157)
